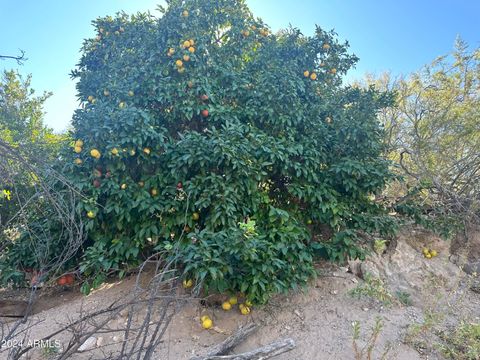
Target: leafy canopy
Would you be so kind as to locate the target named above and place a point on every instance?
(202, 119)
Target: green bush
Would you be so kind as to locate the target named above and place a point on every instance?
(178, 143)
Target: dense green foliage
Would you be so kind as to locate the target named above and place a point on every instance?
(30, 143)
(291, 152)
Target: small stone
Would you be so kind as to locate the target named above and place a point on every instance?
(100, 341)
(354, 280)
(288, 328)
(334, 292)
(89, 344)
(365, 309)
(296, 312)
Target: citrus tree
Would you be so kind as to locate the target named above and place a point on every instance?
(238, 150)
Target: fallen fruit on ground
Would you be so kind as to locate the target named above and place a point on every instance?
(433, 253)
(204, 317)
(233, 300)
(226, 306)
(187, 283)
(245, 310)
(207, 323)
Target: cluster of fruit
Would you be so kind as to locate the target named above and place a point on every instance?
(188, 47)
(263, 32)
(313, 75)
(429, 253)
(102, 31)
(244, 308)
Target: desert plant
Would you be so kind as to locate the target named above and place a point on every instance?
(367, 351)
(373, 288)
(463, 342)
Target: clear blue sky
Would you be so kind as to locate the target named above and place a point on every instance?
(399, 36)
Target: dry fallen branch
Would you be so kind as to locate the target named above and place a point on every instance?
(264, 352)
(229, 343)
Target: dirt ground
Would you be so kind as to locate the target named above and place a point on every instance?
(320, 320)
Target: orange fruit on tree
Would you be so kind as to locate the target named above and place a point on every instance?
(186, 44)
(179, 63)
(131, 93)
(326, 46)
(186, 57)
(306, 73)
(204, 113)
(123, 186)
(154, 192)
(333, 71)
(195, 216)
(147, 151)
(313, 76)
(185, 13)
(191, 49)
(90, 214)
(95, 154)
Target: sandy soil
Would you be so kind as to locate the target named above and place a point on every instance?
(319, 319)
